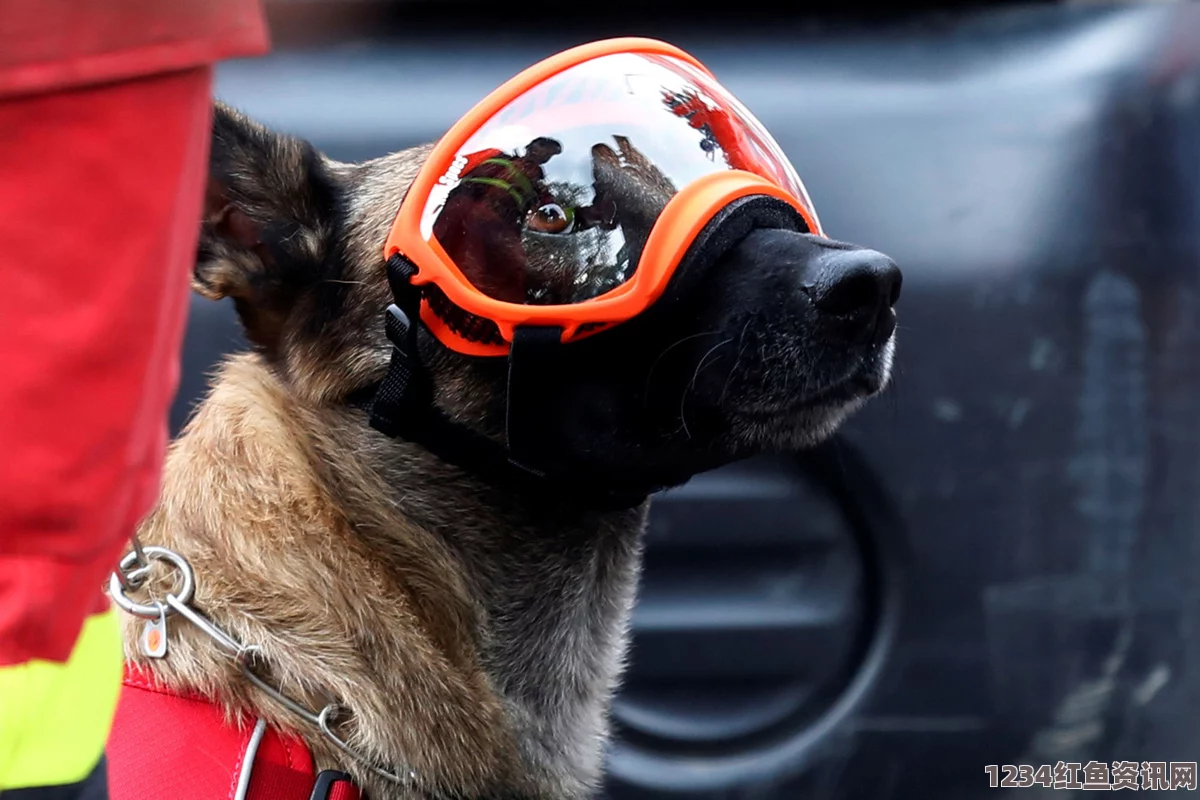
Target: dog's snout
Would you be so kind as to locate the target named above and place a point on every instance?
(856, 282)
(831, 289)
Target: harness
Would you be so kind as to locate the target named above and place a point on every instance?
(167, 745)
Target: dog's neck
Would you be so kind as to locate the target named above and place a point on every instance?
(476, 637)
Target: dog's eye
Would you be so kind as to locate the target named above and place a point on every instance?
(551, 218)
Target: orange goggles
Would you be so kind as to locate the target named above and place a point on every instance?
(569, 195)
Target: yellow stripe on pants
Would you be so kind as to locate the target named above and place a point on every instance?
(55, 718)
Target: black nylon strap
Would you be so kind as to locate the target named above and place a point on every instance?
(490, 460)
(531, 362)
(401, 406)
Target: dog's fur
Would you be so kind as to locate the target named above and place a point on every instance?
(475, 635)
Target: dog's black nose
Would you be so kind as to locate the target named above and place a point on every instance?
(856, 282)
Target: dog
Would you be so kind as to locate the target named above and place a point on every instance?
(475, 634)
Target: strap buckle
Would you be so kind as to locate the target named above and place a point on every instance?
(398, 326)
(404, 388)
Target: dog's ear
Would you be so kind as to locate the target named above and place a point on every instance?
(270, 218)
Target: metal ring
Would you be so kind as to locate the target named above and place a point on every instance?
(158, 608)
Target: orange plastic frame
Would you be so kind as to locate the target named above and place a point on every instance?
(681, 220)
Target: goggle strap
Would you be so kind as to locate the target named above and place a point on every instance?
(402, 407)
(530, 363)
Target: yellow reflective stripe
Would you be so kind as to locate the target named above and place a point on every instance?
(55, 718)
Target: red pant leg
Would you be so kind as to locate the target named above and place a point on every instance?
(100, 201)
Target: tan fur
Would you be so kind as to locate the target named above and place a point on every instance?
(278, 566)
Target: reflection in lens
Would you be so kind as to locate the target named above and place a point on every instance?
(552, 200)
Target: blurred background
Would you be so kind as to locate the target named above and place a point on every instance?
(997, 562)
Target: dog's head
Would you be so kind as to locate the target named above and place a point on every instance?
(767, 344)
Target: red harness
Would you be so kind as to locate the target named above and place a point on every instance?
(170, 746)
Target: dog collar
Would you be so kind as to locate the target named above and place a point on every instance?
(167, 745)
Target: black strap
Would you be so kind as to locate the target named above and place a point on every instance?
(531, 362)
(401, 406)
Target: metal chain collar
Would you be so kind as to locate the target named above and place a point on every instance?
(131, 574)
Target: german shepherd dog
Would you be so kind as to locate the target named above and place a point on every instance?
(475, 634)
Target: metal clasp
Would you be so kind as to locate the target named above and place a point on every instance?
(131, 579)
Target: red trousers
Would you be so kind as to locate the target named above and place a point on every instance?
(100, 198)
